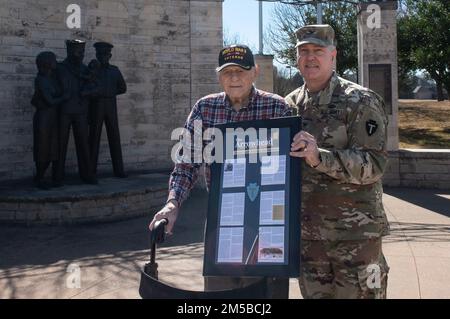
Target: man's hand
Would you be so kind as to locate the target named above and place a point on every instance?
(305, 145)
(169, 212)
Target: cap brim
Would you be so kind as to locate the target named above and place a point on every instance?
(245, 67)
(312, 41)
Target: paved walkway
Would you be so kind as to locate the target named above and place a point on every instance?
(34, 260)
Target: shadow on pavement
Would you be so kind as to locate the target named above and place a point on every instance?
(425, 198)
(418, 232)
(129, 239)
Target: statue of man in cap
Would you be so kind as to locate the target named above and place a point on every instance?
(104, 109)
(343, 144)
(74, 111)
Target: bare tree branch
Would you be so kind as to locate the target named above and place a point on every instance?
(341, 15)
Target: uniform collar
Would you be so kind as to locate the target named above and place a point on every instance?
(74, 69)
(324, 95)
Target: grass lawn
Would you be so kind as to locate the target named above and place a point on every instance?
(424, 124)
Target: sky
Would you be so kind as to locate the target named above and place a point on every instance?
(240, 18)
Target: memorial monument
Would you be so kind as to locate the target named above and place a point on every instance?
(377, 57)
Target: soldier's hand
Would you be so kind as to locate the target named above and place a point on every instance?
(169, 212)
(305, 145)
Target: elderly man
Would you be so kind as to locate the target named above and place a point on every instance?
(240, 101)
(344, 148)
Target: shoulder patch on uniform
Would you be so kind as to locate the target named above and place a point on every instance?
(371, 127)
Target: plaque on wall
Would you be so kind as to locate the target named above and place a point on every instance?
(380, 81)
(253, 222)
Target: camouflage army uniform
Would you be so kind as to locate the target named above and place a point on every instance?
(343, 218)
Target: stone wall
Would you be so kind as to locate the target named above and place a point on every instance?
(115, 200)
(418, 168)
(166, 49)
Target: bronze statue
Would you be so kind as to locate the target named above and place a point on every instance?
(72, 74)
(47, 97)
(104, 108)
(91, 88)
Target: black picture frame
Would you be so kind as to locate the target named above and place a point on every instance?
(256, 261)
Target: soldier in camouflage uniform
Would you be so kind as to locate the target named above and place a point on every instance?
(343, 144)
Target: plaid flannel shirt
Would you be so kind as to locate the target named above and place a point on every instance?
(216, 109)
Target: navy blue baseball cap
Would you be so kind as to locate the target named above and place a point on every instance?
(239, 55)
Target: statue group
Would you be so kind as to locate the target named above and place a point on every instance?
(69, 95)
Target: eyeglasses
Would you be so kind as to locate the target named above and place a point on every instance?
(316, 52)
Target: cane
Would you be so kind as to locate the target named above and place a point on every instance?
(157, 236)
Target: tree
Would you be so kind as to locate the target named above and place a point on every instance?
(284, 82)
(407, 82)
(341, 15)
(423, 40)
(229, 39)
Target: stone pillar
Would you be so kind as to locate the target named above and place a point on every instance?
(265, 79)
(205, 45)
(377, 57)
